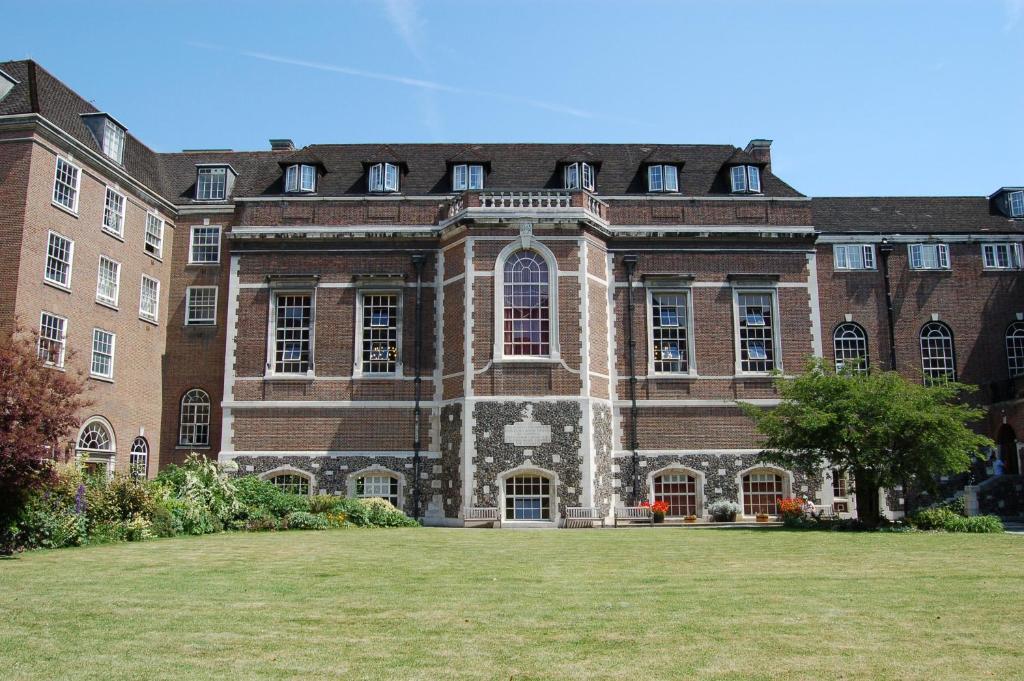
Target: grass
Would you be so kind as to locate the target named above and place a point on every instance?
(481, 604)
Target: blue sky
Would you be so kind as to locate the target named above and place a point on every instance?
(874, 97)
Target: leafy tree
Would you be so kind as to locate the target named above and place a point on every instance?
(881, 428)
(38, 410)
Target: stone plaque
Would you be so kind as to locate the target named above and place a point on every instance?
(528, 433)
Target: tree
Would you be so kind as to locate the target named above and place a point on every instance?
(881, 428)
(38, 410)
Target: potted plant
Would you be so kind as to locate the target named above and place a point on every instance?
(724, 511)
(762, 517)
(658, 511)
(690, 519)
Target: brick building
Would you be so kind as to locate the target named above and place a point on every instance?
(527, 327)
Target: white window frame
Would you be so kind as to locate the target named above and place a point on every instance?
(103, 457)
(209, 172)
(375, 471)
(916, 256)
(554, 354)
(663, 177)
(295, 177)
(552, 497)
(951, 359)
(383, 178)
(745, 179)
(204, 321)
(194, 423)
(467, 177)
(143, 313)
(843, 261)
(65, 285)
(990, 255)
(687, 325)
(118, 212)
(101, 297)
(92, 357)
(361, 330)
(839, 336)
(1015, 349)
(1016, 197)
(113, 141)
(579, 175)
(138, 458)
(192, 245)
(271, 363)
(61, 342)
(74, 190)
(775, 328)
(153, 244)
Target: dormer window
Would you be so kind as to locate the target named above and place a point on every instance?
(383, 177)
(109, 134)
(1016, 201)
(300, 178)
(579, 176)
(212, 183)
(745, 179)
(467, 176)
(662, 178)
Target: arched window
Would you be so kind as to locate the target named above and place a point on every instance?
(1015, 348)
(937, 358)
(527, 306)
(528, 497)
(851, 346)
(378, 485)
(292, 483)
(679, 490)
(195, 419)
(762, 490)
(138, 458)
(96, 446)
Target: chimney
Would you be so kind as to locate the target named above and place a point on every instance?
(282, 145)
(761, 150)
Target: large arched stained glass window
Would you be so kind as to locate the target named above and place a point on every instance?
(527, 306)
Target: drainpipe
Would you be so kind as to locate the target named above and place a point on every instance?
(885, 249)
(418, 261)
(630, 262)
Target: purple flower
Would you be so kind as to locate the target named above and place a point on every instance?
(80, 499)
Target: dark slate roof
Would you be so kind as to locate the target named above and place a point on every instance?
(38, 91)
(911, 215)
(425, 167)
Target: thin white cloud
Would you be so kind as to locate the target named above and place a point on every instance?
(1014, 13)
(419, 83)
(405, 19)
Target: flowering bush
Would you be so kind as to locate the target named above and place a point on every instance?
(724, 510)
(792, 508)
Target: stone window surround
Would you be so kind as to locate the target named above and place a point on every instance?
(529, 469)
(290, 288)
(104, 458)
(680, 469)
(526, 241)
(787, 480)
(291, 470)
(376, 288)
(376, 469)
(683, 289)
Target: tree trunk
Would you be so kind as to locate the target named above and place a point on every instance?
(866, 484)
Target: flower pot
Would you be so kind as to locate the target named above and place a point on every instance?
(763, 517)
(690, 519)
(658, 517)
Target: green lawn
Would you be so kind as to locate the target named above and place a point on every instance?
(439, 604)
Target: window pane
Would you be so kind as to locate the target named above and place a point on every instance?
(211, 184)
(202, 305)
(195, 419)
(380, 333)
(754, 176)
(58, 259)
(205, 245)
(526, 305)
(1015, 349)
(459, 178)
(108, 280)
(654, 179)
(154, 235)
(739, 179)
(52, 337)
(851, 347)
(102, 353)
(113, 212)
(65, 185)
(757, 333)
(679, 491)
(308, 178)
(293, 333)
(527, 497)
(937, 357)
(476, 177)
(761, 493)
(149, 298)
(668, 333)
(671, 174)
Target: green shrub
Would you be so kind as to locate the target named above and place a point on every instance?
(192, 517)
(259, 497)
(201, 483)
(46, 521)
(323, 503)
(373, 513)
(942, 518)
(164, 524)
(302, 520)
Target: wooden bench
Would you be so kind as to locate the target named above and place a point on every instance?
(633, 514)
(582, 516)
(482, 514)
